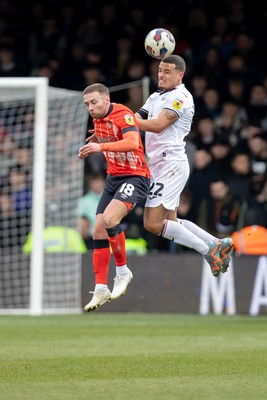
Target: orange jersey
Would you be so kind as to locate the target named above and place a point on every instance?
(119, 120)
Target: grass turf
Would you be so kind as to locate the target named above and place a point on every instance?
(132, 356)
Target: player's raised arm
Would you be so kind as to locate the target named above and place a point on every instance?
(158, 124)
(128, 143)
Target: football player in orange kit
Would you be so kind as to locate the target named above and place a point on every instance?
(117, 135)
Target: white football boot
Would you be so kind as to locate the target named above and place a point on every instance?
(121, 282)
(100, 297)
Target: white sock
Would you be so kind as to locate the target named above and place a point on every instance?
(179, 234)
(100, 286)
(122, 269)
(201, 233)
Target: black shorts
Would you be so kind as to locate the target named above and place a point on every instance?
(127, 188)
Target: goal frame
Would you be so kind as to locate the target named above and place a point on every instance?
(40, 86)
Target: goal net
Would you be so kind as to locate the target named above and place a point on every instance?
(41, 180)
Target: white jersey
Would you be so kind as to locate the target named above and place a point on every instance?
(170, 143)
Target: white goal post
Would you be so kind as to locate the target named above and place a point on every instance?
(59, 122)
(50, 124)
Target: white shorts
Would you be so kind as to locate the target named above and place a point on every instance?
(168, 179)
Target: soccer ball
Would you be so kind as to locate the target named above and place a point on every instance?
(159, 43)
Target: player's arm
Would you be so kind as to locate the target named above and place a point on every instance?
(130, 142)
(157, 125)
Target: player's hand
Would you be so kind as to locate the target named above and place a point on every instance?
(88, 149)
(91, 138)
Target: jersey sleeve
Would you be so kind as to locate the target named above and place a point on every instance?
(127, 121)
(177, 102)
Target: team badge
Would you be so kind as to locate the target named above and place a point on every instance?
(177, 104)
(129, 119)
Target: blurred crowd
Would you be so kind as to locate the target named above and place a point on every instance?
(75, 44)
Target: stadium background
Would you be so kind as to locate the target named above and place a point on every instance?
(74, 45)
(135, 355)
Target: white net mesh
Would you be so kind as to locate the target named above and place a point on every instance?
(66, 128)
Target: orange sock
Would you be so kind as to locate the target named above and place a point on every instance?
(117, 244)
(101, 257)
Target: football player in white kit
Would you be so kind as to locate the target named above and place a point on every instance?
(166, 117)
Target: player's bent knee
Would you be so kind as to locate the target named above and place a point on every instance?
(152, 227)
(100, 233)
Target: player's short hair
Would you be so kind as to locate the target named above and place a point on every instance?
(97, 87)
(179, 62)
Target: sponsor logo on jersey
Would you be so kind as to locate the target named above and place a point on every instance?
(129, 119)
(177, 104)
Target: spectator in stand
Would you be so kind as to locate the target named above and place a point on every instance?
(235, 91)
(237, 16)
(84, 227)
(230, 121)
(256, 201)
(24, 158)
(7, 148)
(136, 21)
(45, 70)
(261, 198)
(257, 105)
(221, 153)
(14, 226)
(89, 32)
(68, 22)
(222, 36)
(123, 56)
(20, 190)
(257, 146)
(109, 18)
(92, 73)
(245, 48)
(87, 205)
(205, 132)
(198, 85)
(249, 130)
(239, 178)
(211, 67)
(235, 67)
(212, 103)
(219, 212)
(10, 64)
(46, 39)
(134, 98)
(136, 70)
(197, 27)
(200, 178)
(72, 66)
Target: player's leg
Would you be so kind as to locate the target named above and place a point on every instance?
(100, 258)
(113, 215)
(160, 213)
(130, 191)
(227, 244)
(163, 223)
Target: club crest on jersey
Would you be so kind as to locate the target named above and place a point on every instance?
(177, 104)
(129, 119)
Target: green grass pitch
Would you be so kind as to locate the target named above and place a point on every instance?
(131, 356)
